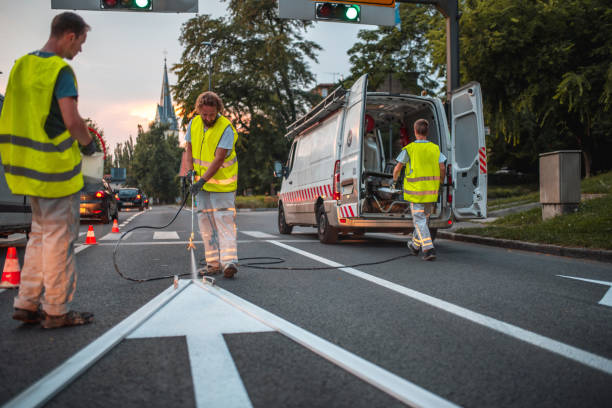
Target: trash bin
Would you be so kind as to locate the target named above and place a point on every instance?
(559, 182)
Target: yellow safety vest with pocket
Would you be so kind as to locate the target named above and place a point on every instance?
(34, 163)
(422, 175)
(203, 147)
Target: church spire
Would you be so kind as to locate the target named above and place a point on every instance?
(165, 111)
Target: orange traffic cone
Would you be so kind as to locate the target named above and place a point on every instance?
(115, 226)
(91, 238)
(11, 275)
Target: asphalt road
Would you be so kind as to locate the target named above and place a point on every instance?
(479, 327)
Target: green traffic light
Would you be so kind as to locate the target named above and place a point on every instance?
(142, 3)
(352, 12)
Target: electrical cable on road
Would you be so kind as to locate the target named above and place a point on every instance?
(253, 265)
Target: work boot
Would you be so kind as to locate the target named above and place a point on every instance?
(230, 270)
(28, 316)
(429, 255)
(413, 251)
(71, 318)
(209, 270)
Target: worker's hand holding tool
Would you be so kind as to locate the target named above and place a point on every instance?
(397, 184)
(197, 187)
(90, 149)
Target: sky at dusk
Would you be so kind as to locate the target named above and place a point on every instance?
(120, 69)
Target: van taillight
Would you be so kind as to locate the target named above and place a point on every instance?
(100, 194)
(336, 180)
(449, 182)
(138, 196)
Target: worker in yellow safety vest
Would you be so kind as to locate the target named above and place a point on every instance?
(40, 132)
(424, 172)
(211, 140)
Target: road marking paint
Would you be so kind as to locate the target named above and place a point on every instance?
(258, 234)
(111, 236)
(554, 346)
(165, 235)
(380, 378)
(204, 320)
(607, 299)
(48, 386)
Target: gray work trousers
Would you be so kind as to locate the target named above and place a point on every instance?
(49, 274)
(421, 238)
(217, 221)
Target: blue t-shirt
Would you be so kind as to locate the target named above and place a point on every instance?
(226, 141)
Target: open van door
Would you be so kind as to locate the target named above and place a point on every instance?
(350, 158)
(469, 171)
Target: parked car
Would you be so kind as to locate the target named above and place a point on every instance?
(130, 197)
(15, 210)
(98, 202)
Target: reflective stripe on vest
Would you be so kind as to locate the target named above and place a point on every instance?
(203, 147)
(422, 177)
(35, 164)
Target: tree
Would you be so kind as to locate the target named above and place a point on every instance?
(402, 52)
(546, 74)
(156, 163)
(259, 70)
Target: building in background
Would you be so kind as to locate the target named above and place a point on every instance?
(165, 110)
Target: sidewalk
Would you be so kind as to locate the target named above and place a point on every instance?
(572, 252)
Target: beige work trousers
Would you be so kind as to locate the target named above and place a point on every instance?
(217, 221)
(49, 274)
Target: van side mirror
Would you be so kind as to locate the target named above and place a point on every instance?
(279, 170)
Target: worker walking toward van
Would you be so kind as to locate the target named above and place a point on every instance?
(425, 169)
(211, 140)
(40, 132)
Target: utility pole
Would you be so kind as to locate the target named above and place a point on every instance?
(209, 45)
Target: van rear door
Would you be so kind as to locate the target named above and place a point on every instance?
(469, 153)
(350, 159)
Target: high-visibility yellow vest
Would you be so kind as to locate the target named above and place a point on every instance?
(422, 175)
(34, 163)
(203, 146)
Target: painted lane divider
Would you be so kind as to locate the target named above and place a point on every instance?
(573, 353)
(398, 387)
(48, 386)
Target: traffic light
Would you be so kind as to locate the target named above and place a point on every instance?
(144, 5)
(348, 13)
(151, 6)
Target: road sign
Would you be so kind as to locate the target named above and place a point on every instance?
(155, 6)
(368, 14)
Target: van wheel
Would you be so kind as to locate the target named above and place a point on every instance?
(283, 227)
(327, 234)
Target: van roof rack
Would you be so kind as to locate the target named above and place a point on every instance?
(328, 105)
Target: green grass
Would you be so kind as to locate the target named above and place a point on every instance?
(589, 227)
(259, 201)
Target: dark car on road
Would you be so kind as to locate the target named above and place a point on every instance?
(98, 202)
(129, 197)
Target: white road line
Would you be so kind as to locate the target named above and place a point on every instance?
(607, 298)
(48, 386)
(380, 378)
(258, 234)
(165, 235)
(554, 346)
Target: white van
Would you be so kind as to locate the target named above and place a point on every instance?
(339, 174)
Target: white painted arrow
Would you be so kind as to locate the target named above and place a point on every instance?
(607, 299)
(203, 319)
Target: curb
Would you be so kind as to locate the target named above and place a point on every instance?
(593, 254)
